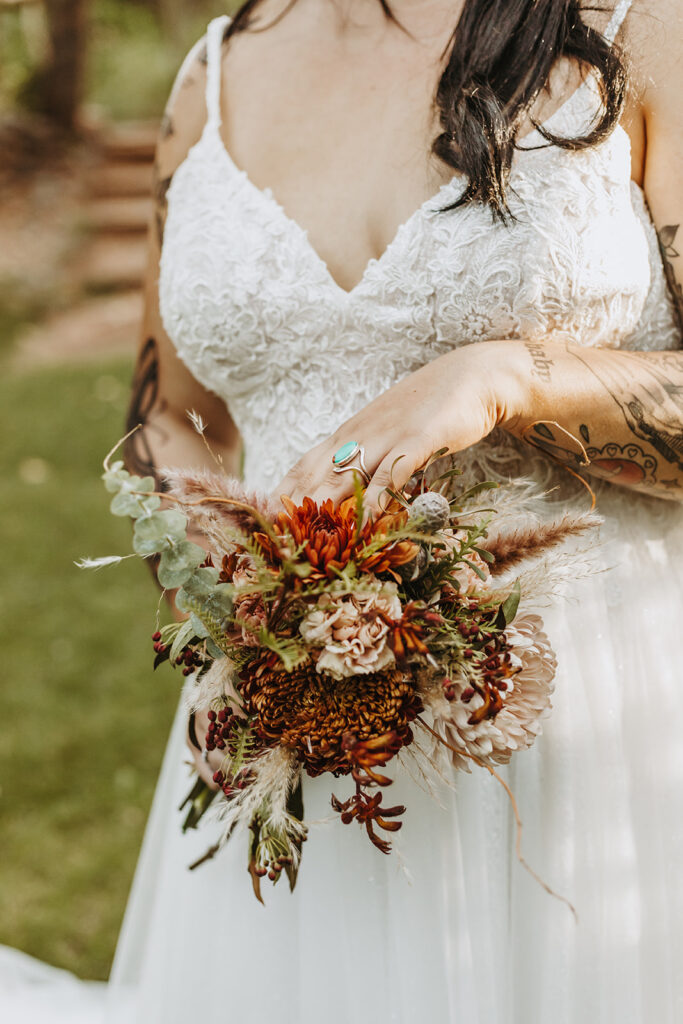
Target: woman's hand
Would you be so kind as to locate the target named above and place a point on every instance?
(452, 403)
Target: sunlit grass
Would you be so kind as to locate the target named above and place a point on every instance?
(83, 720)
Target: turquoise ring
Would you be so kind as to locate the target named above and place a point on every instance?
(346, 455)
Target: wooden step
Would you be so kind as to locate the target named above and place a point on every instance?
(115, 263)
(117, 179)
(120, 215)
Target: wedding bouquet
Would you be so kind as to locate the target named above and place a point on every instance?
(325, 641)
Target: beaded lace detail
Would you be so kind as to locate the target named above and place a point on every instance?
(255, 314)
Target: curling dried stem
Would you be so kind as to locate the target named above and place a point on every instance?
(105, 464)
(586, 461)
(515, 810)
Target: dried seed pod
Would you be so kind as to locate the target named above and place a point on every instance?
(432, 510)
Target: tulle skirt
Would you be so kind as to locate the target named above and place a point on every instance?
(450, 928)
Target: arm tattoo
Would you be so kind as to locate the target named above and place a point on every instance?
(166, 128)
(648, 388)
(160, 190)
(628, 464)
(137, 451)
(667, 247)
(540, 359)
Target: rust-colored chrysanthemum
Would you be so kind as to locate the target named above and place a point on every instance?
(328, 538)
(311, 714)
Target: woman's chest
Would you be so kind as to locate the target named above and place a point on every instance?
(243, 289)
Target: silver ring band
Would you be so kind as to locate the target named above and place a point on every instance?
(344, 458)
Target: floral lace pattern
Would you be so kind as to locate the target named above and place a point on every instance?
(255, 314)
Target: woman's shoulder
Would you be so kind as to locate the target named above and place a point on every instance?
(186, 112)
(653, 39)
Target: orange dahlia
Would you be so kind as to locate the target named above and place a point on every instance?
(328, 539)
(312, 715)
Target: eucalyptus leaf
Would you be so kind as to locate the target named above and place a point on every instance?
(159, 531)
(178, 563)
(115, 477)
(201, 583)
(133, 505)
(219, 603)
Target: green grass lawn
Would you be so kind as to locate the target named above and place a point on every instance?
(83, 719)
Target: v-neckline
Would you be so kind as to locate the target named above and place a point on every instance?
(267, 195)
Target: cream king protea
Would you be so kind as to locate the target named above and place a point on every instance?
(320, 642)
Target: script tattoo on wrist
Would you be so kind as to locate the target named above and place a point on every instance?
(137, 452)
(667, 247)
(541, 362)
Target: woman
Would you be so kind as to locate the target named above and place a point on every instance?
(524, 291)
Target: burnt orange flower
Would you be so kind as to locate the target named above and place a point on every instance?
(407, 634)
(312, 715)
(327, 539)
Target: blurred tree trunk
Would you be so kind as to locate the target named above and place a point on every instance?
(62, 78)
(171, 14)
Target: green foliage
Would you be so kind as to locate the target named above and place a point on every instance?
(84, 719)
(131, 61)
(508, 609)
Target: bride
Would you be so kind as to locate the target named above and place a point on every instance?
(372, 228)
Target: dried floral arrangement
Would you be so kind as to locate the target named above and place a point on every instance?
(324, 641)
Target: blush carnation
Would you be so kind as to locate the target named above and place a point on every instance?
(352, 630)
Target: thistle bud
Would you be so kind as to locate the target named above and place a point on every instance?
(432, 510)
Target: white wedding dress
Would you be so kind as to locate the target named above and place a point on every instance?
(449, 929)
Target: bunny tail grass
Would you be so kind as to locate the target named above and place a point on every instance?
(512, 547)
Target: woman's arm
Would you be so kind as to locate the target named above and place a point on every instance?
(163, 389)
(627, 407)
(624, 408)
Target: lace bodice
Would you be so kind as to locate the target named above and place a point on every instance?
(257, 317)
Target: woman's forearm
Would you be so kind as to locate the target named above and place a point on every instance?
(164, 435)
(625, 409)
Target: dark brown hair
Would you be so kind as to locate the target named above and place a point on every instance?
(500, 56)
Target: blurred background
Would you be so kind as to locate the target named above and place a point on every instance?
(83, 719)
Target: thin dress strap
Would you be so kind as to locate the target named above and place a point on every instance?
(214, 43)
(617, 20)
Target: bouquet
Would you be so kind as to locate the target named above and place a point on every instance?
(325, 641)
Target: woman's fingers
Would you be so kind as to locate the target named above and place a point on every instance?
(315, 476)
(391, 465)
(394, 471)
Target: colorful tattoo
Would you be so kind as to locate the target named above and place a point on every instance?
(648, 388)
